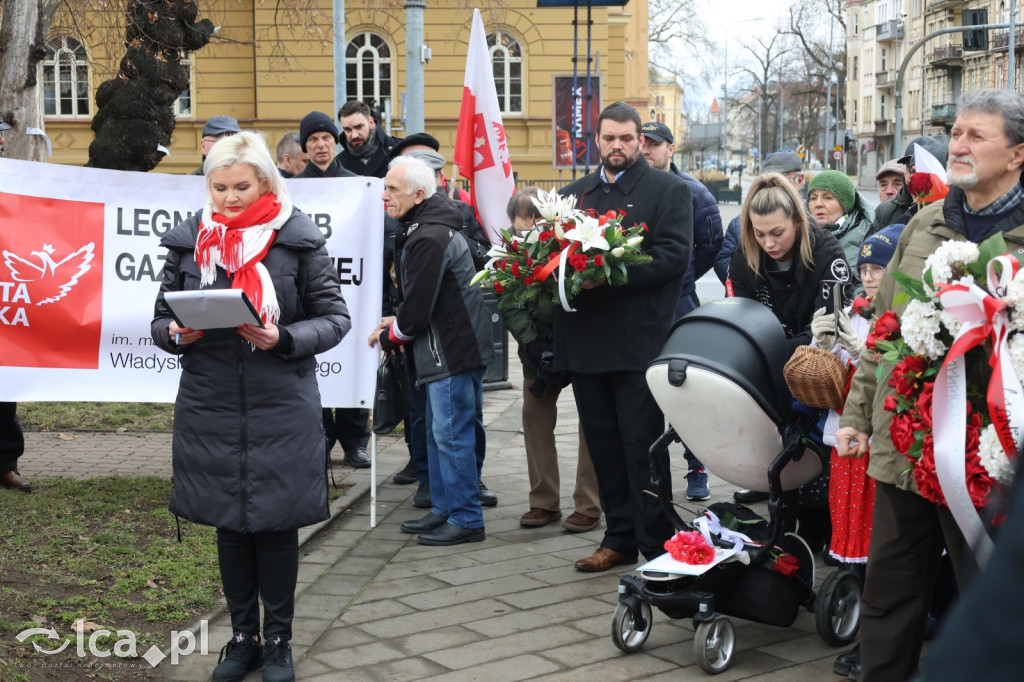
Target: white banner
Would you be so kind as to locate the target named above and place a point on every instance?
(80, 267)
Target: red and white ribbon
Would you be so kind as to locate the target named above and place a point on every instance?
(983, 316)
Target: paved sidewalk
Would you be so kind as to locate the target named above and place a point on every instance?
(373, 605)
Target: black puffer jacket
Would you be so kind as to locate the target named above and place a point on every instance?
(439, 309)
(248, 443)
(793, 295)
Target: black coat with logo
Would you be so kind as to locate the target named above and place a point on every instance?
(795, 294)
(623, 328)
(248, 446)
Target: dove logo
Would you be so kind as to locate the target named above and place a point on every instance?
(51, 282)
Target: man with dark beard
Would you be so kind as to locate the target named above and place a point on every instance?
(365, 147)
(615, 332)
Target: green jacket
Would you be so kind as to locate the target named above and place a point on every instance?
(864, 409)
(536, 320)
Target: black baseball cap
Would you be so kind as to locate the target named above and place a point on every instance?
(659, 132)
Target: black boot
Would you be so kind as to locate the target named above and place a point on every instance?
(406, 475)
(848, 664)
(240, 655)
(277, 663)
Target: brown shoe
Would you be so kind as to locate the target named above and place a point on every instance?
(13, 480)
(580, 523)
(536, 517)
(603, 559)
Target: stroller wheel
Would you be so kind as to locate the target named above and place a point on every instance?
(713, 644)
(837, 608)
(630, 630)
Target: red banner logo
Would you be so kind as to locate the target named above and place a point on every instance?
(51, 282)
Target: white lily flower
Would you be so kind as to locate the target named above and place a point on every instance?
(634, 241)
(618, 251)
(588, 233)
(559, 232)
(478, 276)
(498, 252)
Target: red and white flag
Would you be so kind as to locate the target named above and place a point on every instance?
(481, 151)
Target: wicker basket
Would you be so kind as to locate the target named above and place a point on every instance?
(816, 378)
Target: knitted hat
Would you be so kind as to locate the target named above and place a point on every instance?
(879, 247)
(838, 184)
(315, 122)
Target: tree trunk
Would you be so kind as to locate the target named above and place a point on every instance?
(135, 110)
(21, 48)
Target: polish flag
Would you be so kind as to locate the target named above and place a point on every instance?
(481, 152)
(925, 162)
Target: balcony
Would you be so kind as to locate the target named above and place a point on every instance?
(942, 113)
(884, 79)
(944, 4)
(883, 127)
(948, 57)
(1001, 40)
(889, 30)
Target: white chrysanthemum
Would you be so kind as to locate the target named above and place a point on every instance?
(1014, 298)
(993, 457)
(1017, 354)
(950, 254)
(919, 327)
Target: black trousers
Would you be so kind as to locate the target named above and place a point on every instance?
(907, 537)
(258, 567)
(12, 440)
(349, 426)
(620, 422)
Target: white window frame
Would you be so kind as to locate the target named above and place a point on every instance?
(51, 64)
(180, 110)
(505, 82)
(362, 42)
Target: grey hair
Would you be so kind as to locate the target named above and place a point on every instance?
(991, 101)
(520, 204)
(417, 175)
(248, 146)
(289, 144)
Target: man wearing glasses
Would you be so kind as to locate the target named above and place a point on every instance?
(216, 128)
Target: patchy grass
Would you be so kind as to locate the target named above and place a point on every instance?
(104, 551)
(96, 416)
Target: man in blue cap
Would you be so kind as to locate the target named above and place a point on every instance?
(214, 129)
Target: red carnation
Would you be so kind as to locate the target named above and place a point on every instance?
(701, 555)
(529, 279)
(578, 261)
(537, 271)
(498, 288)
(514, 269)
(598, 260)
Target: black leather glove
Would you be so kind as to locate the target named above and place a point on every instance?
(386, 344)
(535, 351)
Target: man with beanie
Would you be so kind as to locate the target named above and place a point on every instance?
(348, 425)
(366, 148)
(838, 207)
(658, 147)
(901, 208)
(890, 179)
(986, 154)
(214, 129)
(615, 332)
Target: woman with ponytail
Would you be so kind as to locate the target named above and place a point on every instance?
(248, 449)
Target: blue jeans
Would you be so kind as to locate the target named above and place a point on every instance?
(452, 405)
(418, 433)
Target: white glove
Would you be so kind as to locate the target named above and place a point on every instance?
(823, 327)
(848, 337)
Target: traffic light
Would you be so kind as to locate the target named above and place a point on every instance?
(849, 142)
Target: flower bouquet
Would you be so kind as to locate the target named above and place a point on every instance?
(956, 353)
(564, 248)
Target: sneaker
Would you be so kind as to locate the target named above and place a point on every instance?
(697, 485)
(277, 663)
(487, 498)
(240, 655)
(407, 475)
(421, 500)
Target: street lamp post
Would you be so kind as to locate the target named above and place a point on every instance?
(725, 89)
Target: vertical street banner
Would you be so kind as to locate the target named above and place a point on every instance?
(575, 121)
(80, 267)
(481, 150)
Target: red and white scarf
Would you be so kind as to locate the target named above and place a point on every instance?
(238, 245)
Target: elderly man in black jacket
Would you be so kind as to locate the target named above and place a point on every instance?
(442, 319)
(615, 332)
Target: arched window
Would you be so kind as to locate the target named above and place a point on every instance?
(368, 69)
(65, 78)
(507, 62)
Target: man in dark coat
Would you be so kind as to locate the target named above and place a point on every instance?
(608, 342)
(441, 317)
(901, 208)
(348, 425)
(214, 129)
(659, 145)
(366, 148)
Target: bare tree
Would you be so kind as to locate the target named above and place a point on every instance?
(812, 23)
(679, 42)
(769, 67)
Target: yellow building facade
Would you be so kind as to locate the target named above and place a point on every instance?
(269, 75)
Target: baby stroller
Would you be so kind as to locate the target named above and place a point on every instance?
(719, 382)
